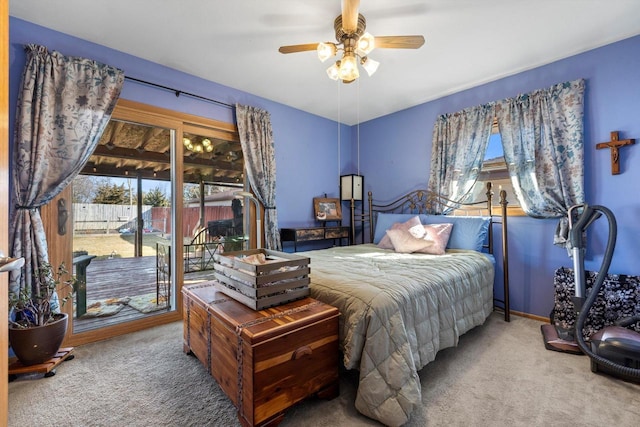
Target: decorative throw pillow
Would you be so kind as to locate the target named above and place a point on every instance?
(403, 242)
(433, 242)
(384, 221)
(412, 226)
(439, 234)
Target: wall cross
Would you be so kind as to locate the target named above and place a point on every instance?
(614, 145)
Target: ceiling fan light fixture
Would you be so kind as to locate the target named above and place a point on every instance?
(349, 68)
(326, 51)
(334, 71)
(207, 145)
(366, 44)
(369, 65)
(187, 144)
(198, 147)
(355, 43)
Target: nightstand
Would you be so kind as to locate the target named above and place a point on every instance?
(309, 234)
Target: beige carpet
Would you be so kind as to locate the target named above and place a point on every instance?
(499, 375)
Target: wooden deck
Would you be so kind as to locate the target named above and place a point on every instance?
(120, 278)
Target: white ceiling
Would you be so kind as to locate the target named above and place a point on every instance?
(235, 43)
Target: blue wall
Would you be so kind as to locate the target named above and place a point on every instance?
(395, 150)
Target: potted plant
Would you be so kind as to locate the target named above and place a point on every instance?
(36, 325)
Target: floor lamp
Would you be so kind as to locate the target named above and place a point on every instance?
(352, 189)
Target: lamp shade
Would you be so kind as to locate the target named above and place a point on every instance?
(366, 43)
(351, 187)
(370, 65)
(349, 68)
(334, 71)
(326, 51)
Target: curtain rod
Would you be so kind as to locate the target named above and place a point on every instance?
(179, 92)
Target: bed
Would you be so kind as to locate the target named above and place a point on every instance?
(399, 307)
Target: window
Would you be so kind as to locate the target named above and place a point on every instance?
(494, 170)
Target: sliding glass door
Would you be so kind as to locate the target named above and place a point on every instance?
(122, 227)
(150, 208)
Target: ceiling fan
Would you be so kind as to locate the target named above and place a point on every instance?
(355, 43)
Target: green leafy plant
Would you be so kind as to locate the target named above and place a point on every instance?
(39, 305)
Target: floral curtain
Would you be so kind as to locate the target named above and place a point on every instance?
(459, 142)
(256, 138)
(63, 107)
(543, 139)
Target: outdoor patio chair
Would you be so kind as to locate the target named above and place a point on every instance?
(198, 254)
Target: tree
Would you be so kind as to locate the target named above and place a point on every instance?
(84, 188)
(111, 194)
(191, 192)
(156, 198)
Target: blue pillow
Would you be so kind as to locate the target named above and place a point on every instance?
(384, 221)
(469, 232)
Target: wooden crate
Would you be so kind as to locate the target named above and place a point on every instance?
(282, 278)
(267, 360)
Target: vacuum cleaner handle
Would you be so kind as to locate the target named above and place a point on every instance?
(577, 244)
(588, 215)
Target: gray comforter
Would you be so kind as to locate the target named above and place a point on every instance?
(397, 312)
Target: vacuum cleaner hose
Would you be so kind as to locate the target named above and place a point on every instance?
(584, 312)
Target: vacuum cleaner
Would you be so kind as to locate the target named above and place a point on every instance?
(614, 350)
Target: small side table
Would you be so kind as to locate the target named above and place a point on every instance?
(308, 234)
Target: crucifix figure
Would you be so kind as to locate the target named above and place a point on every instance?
(614, 145)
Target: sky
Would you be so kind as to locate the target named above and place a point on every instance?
(494, 149)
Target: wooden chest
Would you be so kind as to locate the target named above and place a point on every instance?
(267, 360)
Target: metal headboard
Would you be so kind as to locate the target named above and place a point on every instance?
(424, 201)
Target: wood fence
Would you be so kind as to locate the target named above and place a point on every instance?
(191, 216)
(103, 218)
(93, 218)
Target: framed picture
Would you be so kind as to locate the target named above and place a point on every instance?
(327, 209)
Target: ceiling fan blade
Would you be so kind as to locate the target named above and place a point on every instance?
(350, 15)
(298, 48)
(399, 42)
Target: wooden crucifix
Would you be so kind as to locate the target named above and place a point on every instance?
(614, 145)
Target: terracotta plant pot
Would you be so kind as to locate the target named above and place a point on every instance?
(38, 344)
